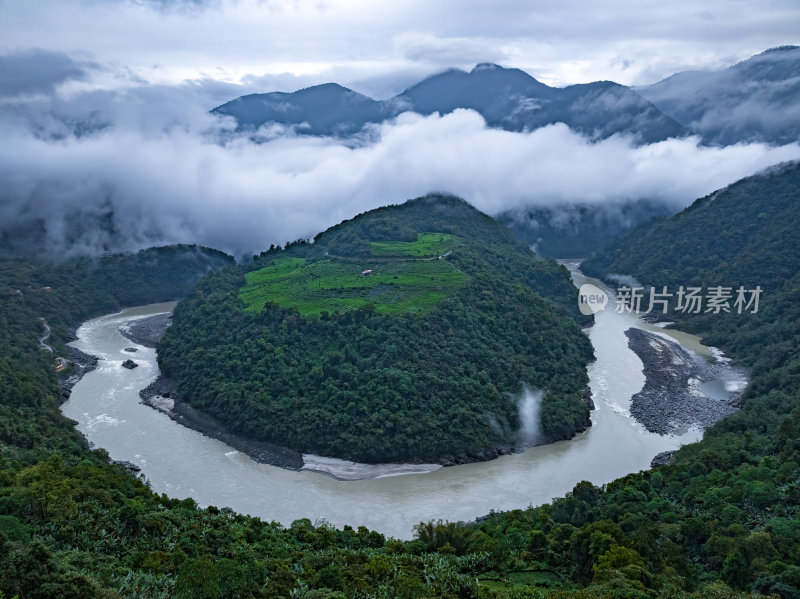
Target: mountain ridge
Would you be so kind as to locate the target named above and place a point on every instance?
(754, 100)
(753, 219)
(507, 98)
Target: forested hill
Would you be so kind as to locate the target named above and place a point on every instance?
(406, 333)
(68, 291)
(730, 506)
(746, 233)
(64, 293)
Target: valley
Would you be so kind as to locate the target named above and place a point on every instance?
(727, 494)
(390, 498)
(335, 300)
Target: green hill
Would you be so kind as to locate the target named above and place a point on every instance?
(734, 496)
(406, 333)
(746, 232)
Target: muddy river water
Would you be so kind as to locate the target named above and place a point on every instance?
(183, 463)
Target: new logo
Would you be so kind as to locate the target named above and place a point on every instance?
(591, 299)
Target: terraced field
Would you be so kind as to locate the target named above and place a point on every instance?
(426, 245)
(396, 284)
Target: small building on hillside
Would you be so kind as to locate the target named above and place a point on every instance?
(366, 273)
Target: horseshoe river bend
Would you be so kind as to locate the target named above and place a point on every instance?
(182, 462)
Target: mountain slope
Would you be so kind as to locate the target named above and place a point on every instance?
(405, 334)
(328, 109)
(737, 488)
(489, 89)
(578, 230)
(506, 98)
(745, 233)
(755, 100)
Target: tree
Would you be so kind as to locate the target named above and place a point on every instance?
(734, 569)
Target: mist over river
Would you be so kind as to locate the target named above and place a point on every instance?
(183, 463)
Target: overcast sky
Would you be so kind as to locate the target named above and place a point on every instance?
(108, 144)
(380, 47)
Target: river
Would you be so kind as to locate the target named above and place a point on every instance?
(183, 463)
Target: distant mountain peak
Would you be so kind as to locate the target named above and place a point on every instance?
(779, 50)
(486, 66)
(749, 101)
(326, 88)
(604, 84)
(329, 85)
(505, 97)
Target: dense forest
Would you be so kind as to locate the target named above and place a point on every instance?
(404, 334)
(721, 522)
(73, 525)
(745, 233)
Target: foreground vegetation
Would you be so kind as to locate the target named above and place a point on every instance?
(722, 522)
(405, 334)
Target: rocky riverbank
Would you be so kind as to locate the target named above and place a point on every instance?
(81, 362)
(663, 459)
(162, 396)
(673, 400)
(482, 456)
(147, 331)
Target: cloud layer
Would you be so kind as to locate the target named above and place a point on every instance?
(35, 72)
(355, 42)
(108, 171)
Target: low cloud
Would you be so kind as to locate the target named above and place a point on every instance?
(447, 51)
(35, 72)
(152, 166)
